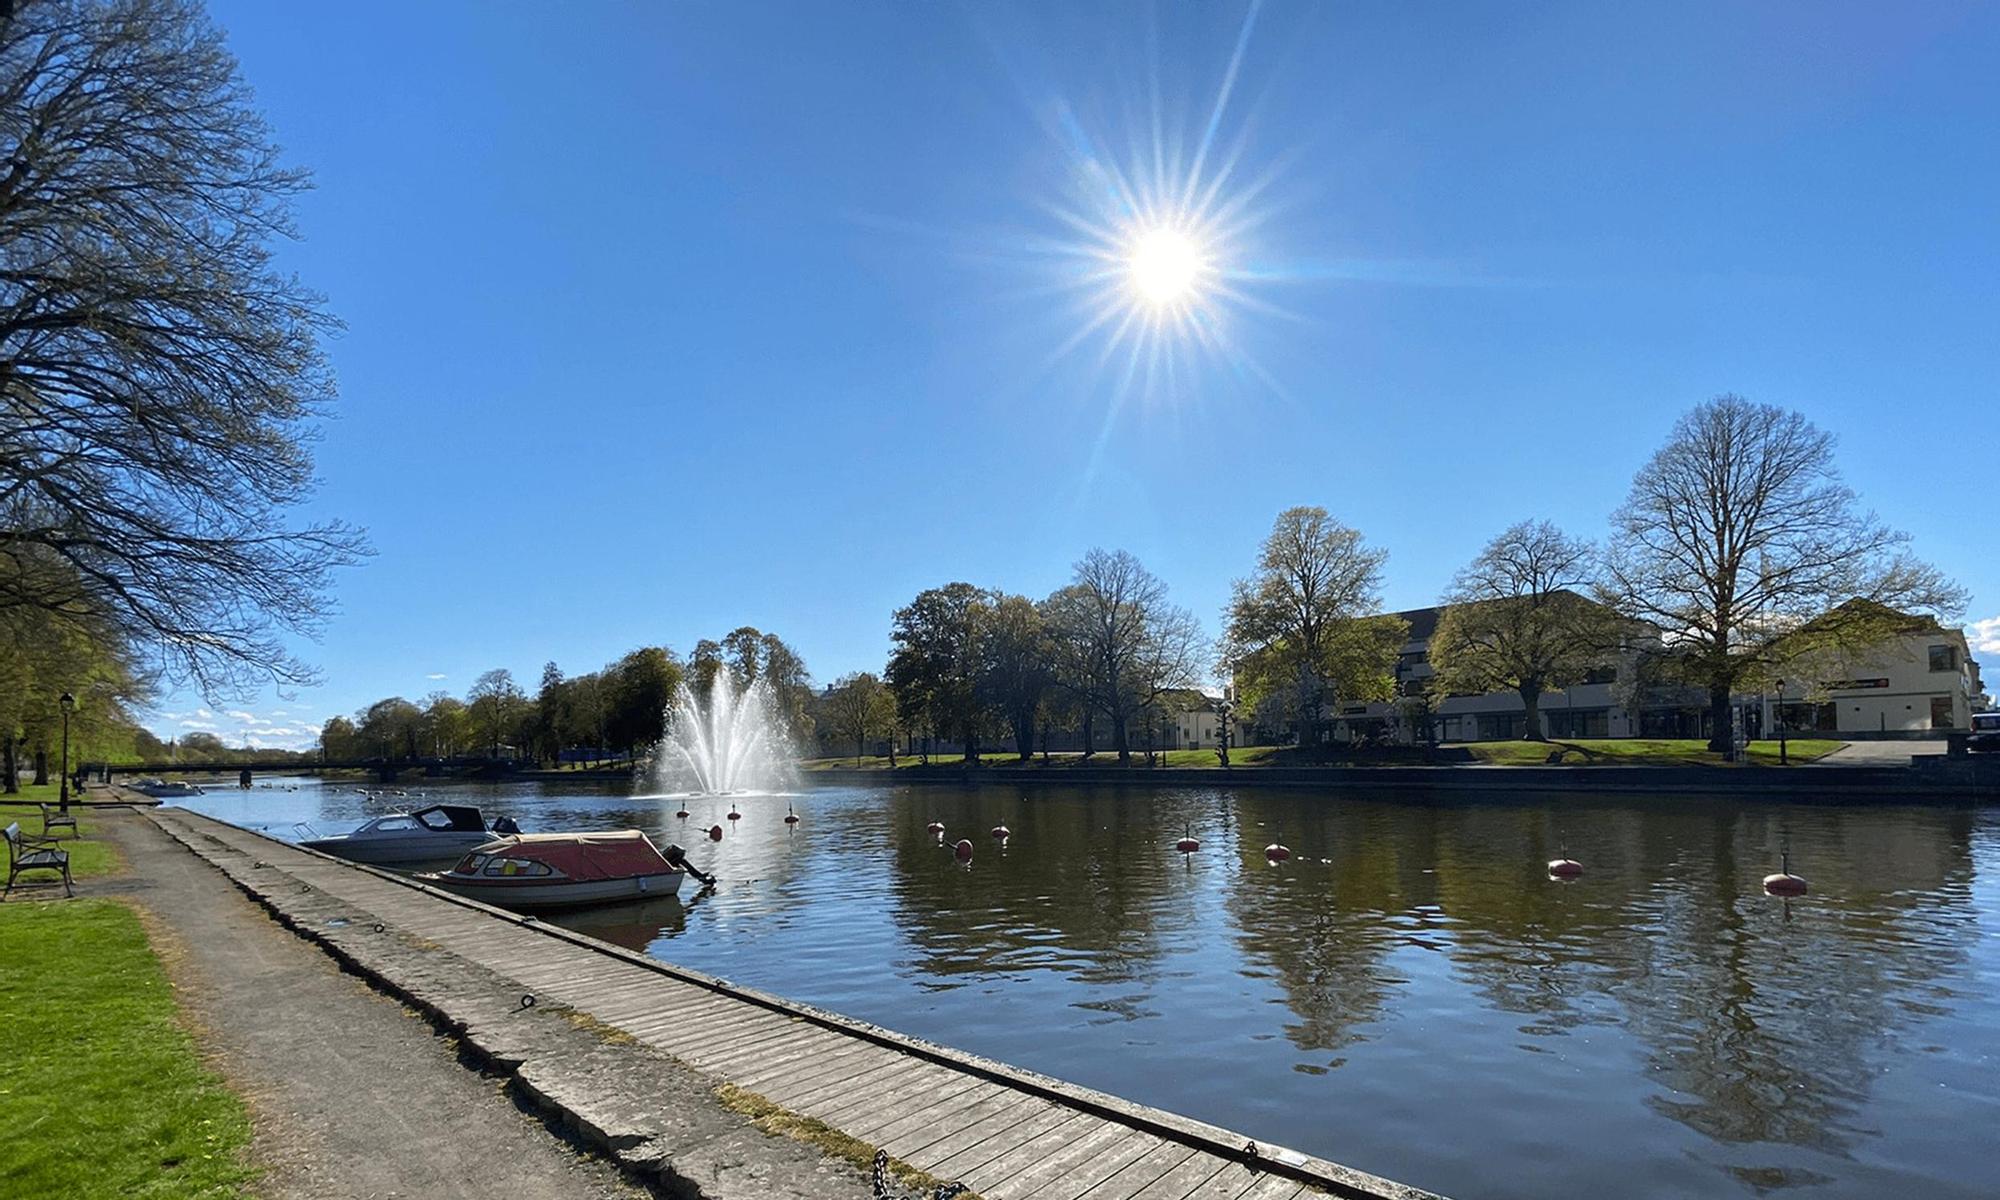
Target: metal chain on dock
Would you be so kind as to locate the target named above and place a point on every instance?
(878, 1179)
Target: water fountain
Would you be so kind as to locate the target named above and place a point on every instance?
(732, 742)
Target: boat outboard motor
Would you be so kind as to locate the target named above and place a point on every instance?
(677, 859)
(506, 827)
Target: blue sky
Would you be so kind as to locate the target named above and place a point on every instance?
(665, 319)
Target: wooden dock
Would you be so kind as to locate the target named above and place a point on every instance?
(1006, 1133)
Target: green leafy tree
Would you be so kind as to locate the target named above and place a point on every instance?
(936, 662)
(1016, 669)
(493, 703)
(1306, 622)
(1740, 542)
(1515, 619)
(861, 708)
(639, 689)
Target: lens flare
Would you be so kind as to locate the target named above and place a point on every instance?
(1167, 267)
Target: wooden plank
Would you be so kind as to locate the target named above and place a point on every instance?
(999, 1142)
(1185, 1180)
(918, 1090)
(1273, 1187)
(792, 1073)
(912, 1142)
(813, 1041)
(1228, 1183)
(940, 1112)
(1074, 1154)
(859, 1071)
(1098, 1170)
(994, 1175)
(1135, 1175)
(837, 1092)
(711, 1055)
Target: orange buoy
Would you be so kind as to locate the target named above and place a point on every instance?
(963, 850)
(1002, 832)
(934, 827)
(1564, 867)
(715, 833)
(1187, 844)
(1785, 883)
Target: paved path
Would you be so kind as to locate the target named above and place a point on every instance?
(351, 1095)
(1879, 754)
(1005, 1133)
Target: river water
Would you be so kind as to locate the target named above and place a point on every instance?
(1410, 995)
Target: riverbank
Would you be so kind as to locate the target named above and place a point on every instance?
(696, 1083)
(1928, 778)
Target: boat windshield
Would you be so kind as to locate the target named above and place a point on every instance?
(395, 824)
(516, 866)
(470, 864)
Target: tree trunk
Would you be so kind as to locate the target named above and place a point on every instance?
(971, 746)
(1089, 735)
(10, 769)
(860, 744)
(1722, 732)
(1121, 738)
(41, 766)
(1024, 737)
(1531, 701)
(1045, 743)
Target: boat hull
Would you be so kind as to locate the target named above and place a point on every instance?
(429, 847)
(540, 893)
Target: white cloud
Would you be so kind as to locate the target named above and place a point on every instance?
(436, 675)
(1985, 636)
(191, 723)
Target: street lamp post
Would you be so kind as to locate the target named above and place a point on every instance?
(68, 703)
(1782, 759)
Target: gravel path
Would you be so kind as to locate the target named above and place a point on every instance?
(351, 1095)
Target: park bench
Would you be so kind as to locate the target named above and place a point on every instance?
(54, 819)
(26, 854)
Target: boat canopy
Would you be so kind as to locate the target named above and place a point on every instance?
(451, 818)
(618, 855)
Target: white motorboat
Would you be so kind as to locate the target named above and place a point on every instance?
(559, 870)
(434, 834)
(160, 789)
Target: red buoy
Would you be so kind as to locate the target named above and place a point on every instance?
(1785, 883)
(934, 827)
(1564, 867)
(733, 814)
(1277, 853)
(1002, 832)
(963, 850)
(715, 833)
(1187, 844)
(791, 818)
(682, 814)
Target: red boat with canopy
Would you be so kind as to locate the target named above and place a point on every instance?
(555, 870)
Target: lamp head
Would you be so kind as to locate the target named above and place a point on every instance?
(68, 702)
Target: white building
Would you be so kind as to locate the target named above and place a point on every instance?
(1920, 684)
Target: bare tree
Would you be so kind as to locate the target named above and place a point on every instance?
(1134, 642)
(158, 375)
(1516, 618)
(1742, 544)
(1307, 618)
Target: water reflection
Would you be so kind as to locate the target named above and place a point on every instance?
(1411, 993)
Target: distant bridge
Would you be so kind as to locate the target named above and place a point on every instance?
(384, 768)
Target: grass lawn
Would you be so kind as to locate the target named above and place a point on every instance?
(1648, 752)
(101, 1090)
(88, 856)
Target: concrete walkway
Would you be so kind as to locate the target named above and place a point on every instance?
(351, 1095)
(1879, 754)
(654, 1062)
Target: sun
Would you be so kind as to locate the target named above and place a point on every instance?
(1166, 267)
